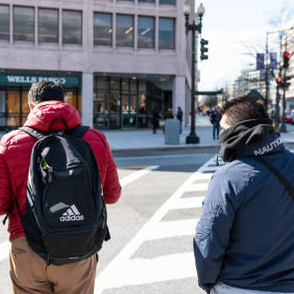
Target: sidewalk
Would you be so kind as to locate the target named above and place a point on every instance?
(131, 140)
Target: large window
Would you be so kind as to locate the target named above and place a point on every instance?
(148, 1)
(4, 22)
(48, 25)
(71, 27)
(103, 29)
(167, 2)
(166, 33)
(23, 23)
(124, 31)
(145, 32)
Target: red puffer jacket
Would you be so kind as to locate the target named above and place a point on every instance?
(15, 151)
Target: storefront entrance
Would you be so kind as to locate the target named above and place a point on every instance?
(121, 102)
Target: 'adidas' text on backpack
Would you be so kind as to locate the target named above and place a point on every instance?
(65, 217)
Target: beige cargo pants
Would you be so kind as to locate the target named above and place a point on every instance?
(30, 274)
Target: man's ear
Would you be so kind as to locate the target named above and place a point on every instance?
(31, 105)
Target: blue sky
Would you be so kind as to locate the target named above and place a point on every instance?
(235, 28)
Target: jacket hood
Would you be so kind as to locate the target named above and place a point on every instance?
(250, 138)
(53, 114)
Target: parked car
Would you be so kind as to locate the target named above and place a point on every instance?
(288, 116)
(292, 117)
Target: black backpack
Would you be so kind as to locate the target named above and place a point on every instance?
(65, 219)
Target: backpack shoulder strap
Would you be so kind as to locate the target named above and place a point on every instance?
(79, 131)
(33, 132)
(280, 177)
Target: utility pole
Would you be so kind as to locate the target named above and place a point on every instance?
(266, 72)
(283, 126)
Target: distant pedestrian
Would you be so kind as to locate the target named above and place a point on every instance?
(167, 115)
(180, 117)
(244, 242)
(155, 119)
(215, 117)
(60, 206)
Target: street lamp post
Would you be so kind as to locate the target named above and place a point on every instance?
(192, 138)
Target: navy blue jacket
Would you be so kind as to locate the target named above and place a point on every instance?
(245, 236)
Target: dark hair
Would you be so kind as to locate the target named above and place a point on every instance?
(244, 108)
(45, 91)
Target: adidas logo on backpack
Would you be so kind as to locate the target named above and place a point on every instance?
(64, 174)
(72, 214)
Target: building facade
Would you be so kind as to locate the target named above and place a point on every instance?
(116, 59)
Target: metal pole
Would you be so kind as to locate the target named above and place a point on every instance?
(266, 73)
(277, 114)
(192, 138)
(283, 126)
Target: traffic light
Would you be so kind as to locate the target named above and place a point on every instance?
(203, 49)
(279, 80)
(286, 57)
(282, 82)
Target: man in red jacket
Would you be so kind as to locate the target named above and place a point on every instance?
(29, 272)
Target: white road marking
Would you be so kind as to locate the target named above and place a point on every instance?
(4, 250)
(197, 187)
(144, 271)
(136, 175)
(172, 229)
(118, 266)
(190, 202)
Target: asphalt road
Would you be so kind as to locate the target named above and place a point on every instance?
(152, 225)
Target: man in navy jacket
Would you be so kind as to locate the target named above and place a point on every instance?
(244, 240)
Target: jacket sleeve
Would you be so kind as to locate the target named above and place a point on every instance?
(5, 188)
(213, 231)
(112, 188)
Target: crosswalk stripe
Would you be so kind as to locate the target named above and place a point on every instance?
(172, 229)
(197, 187)
(145, 271)
(4, 250)
(190, 202)
(136, 175)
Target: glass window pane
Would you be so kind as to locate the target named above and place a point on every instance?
(166, 33)
(48, 25)
(142, 86)
(125, 85)
(114, 85)
(4, 22)
(145, 32)
(103, 29)
(25, 107)
(100, 104)
(23, 23)
(167, 2)
(148, 1)
(124, 31)
(13, 108)
(101, 83)
(71, 27)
